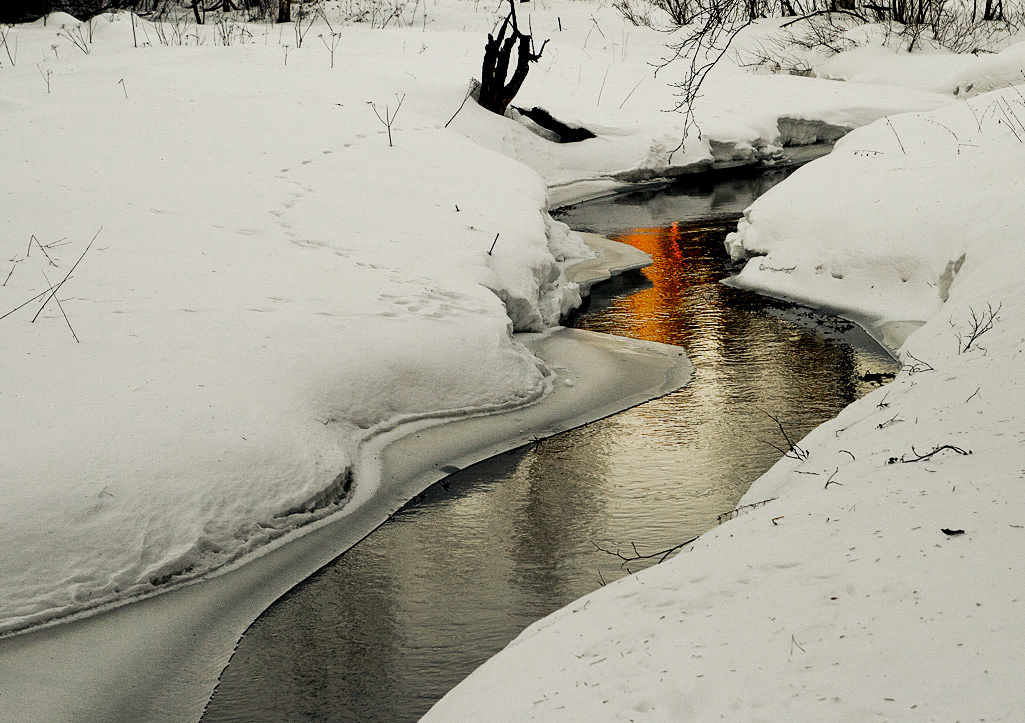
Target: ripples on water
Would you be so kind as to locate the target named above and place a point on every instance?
(389, 627)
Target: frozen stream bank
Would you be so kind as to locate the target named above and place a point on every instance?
(399, 619)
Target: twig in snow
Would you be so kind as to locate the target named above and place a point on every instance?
(41, 293)
(602, 88)
(793, 644)
(66, 319)
(793, 450)
(973, 394)
(832, 481)
(67, 276)
(918, 366)
(896, 136)
(920, 457)
(891, 420)
(389, 118)
(124, 87)
(5, 30)
(632, 92)
(333, 45)
(76, 36)
(978, 325)
(46, 77)
(737, 510)
(494, 242)
(13, 267)
(637, 555)
(469, 92)
(43, 249)
(853, 458)
(1007, 119)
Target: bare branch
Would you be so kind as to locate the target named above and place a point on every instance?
(67, 276)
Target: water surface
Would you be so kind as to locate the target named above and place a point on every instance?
(393, 624)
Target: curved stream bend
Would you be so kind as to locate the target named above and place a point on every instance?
(394, 623)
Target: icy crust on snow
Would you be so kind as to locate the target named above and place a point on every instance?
(255, 304)
(876, 573)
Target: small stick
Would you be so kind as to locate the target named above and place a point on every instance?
(43, 249)
(494, 242)
(631, 92)
(602, 89)
(41, 293)
(13, 267)
(896, 136)
(889, 421)
(66, 319)
(469, 92)
(919, 457)
(57, 287)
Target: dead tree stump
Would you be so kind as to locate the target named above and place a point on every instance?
(496, 93)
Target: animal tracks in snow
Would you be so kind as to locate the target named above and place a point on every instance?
(434, 303)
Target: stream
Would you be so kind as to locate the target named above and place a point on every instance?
(390, 626)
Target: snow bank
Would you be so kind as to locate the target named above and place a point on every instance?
(255, 294)
(869, 229)
(877, 574)
(276, 275)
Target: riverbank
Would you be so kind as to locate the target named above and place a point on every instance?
(258, 290)
(875, 572)
(158, 659)
(206, 379)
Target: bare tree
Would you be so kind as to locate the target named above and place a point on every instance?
(496, 92)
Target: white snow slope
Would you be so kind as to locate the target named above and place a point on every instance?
(882, 578)
(255, 276)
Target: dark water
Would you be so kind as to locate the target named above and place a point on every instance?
(389, 627)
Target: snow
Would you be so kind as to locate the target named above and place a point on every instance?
(267, 277)
(880, 577)
(267, 287)
(264, 292)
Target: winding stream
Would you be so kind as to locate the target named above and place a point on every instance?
(393, 624)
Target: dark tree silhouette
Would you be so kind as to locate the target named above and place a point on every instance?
(496, 93)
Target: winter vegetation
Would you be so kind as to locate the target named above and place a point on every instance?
(241, 241)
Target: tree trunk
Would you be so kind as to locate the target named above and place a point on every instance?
(495, 93)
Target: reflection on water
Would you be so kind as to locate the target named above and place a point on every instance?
(393, 624)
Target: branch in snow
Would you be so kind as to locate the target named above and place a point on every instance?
(920, 457)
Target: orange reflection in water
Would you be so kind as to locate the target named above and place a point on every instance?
(686, 301)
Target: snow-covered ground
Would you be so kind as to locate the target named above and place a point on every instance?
(260, 279)
(877, 572)
(264, 277)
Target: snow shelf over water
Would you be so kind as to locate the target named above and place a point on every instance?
(159, 659)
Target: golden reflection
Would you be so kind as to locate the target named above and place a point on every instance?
(684, 274)
(395, 622)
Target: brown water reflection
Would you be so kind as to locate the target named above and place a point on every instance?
(389, 627)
